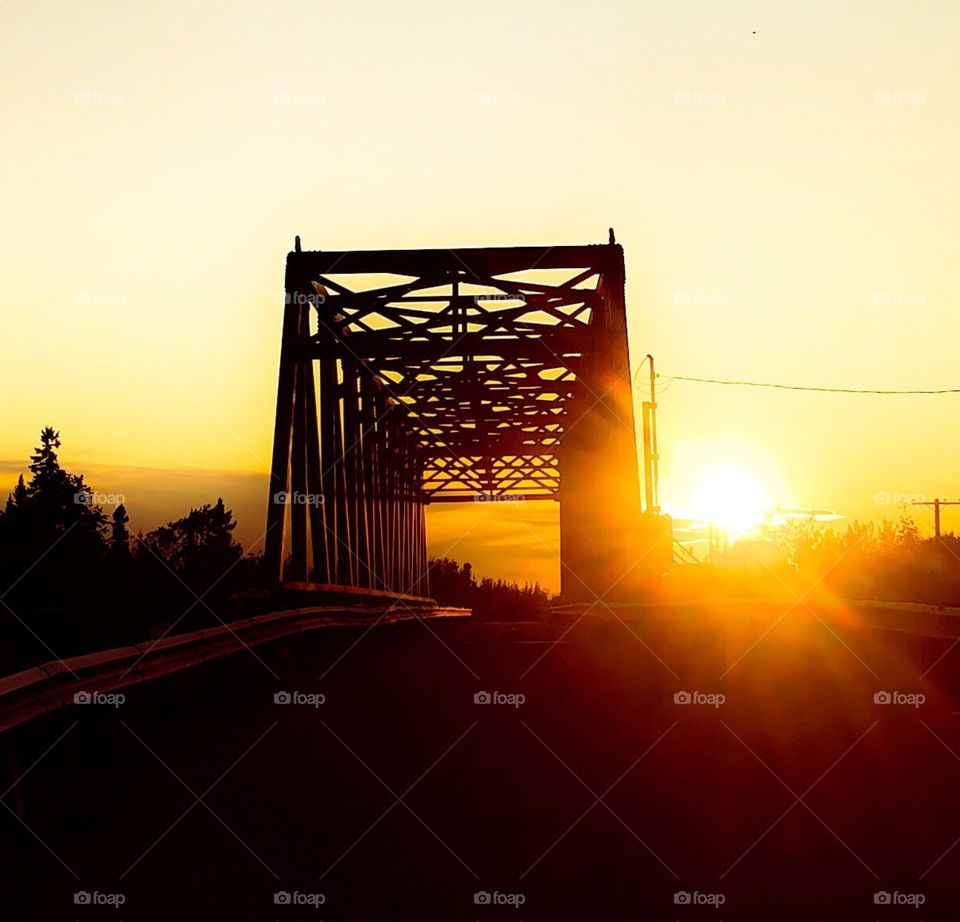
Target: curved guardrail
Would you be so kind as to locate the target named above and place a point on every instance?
(53, 686)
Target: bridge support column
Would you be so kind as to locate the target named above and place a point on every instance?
(599, 483)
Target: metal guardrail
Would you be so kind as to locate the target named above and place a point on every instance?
(52, 686)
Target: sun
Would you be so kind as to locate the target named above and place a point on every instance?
(730, 498)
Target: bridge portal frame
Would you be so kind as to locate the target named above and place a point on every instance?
(456, 374)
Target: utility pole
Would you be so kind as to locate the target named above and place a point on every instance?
(651, 457)
(937, 503)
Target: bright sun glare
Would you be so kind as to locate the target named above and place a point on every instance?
(727, 496)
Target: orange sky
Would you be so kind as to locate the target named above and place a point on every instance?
(783, 178)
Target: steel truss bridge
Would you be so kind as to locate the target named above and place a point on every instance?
(410, 377)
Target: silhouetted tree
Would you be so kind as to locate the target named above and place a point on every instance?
(199, 547)
(18, 498)
(51, 524)
(119, 536)
(56, 499)
(454, 585)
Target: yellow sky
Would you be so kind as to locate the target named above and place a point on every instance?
(782, 175)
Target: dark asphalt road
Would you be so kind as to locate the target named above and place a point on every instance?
(597, 797)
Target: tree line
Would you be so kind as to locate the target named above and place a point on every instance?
(455, 585)
(73, 578)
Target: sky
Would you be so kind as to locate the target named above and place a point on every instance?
(782, 176)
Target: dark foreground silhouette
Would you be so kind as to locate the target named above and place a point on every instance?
(73, 579)
(585, 770)
(745, 763)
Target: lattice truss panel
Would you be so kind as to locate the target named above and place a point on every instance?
(484, 365)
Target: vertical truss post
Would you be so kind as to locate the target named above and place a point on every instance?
(290, 356)
(298, 475)
(346, 563)
(371, 410)
(318, 531)
(353, 472)
(599, 484)
(329, 414)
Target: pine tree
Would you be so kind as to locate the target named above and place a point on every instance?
(18, 498)
(52, 529)
(200, 546)
(44, 465)
(119, 535)
(57, 500)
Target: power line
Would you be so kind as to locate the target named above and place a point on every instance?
(801, 387)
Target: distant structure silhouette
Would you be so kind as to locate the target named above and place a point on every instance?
(410, 377)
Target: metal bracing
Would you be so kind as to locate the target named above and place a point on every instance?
(410, 377)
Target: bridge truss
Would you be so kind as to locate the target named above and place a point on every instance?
(410, 377)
